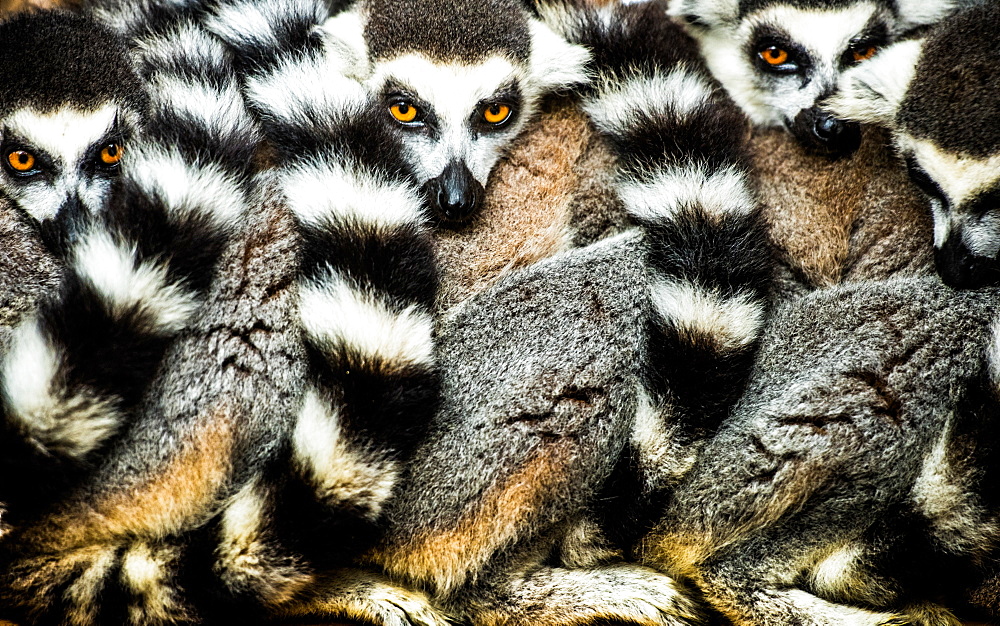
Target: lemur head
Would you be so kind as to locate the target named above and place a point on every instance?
(779, 58)
(459, 81)
(69, 101)
(939, 99)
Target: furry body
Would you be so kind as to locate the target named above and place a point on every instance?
(854, 471)
(843, 220)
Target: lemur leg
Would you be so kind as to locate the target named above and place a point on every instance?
(368, 596)
(552, 596)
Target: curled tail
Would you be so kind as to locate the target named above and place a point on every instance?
(135, 272)
(684, 176)
(366, 279)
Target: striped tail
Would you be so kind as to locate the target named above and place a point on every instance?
(367, 278)
(684, 177)
(136, 277)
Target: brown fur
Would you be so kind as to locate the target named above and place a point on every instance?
(159, 504)
(547, 195)
(841, 220)
(17, 6)
(443, 558)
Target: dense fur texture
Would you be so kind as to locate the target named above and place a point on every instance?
(778, 59)
(61, 106)
(136, 276)
(466, 97)
(57, 409)
(552, 192)
(851, 485)
(841, 220)
(835, 206)
(951, 157)
(520, 539)
(28, 268)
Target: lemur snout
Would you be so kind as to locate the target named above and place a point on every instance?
(62, 230)
(961, 269)
(825, 133)
(455, 194)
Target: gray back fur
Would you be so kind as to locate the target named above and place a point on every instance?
(539, 376)
(855, 408)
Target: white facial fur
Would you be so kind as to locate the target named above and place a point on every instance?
(68, 138)
(775, 99)
(453, 93)
(872, 92)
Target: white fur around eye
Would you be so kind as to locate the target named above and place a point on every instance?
(872, 91)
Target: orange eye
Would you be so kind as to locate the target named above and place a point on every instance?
(403, 112)
(864, 54)
(111, 154)
(496, 113)
(773, 55)
(21, 160)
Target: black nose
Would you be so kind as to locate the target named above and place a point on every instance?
(828, 128)
(820, 131)
(960, 269)
(455, 194)
(62, 230)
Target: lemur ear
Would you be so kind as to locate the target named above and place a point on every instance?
(872, 91)
(914, 13)
(705, 13)
(344, 35)
(555, 63)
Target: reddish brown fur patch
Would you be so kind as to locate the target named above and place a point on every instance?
(526, 212)
(444, 559)
(178, 496)
(836, 220)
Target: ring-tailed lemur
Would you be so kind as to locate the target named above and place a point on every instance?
(853, 483)
(950, 152)
(458, 81)
(257, 504)
(64, 131)
(514, 540)
(74, 367)
(779, 59)
(80, 370)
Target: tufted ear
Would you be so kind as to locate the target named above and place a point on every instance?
(914, 13)
(344, 35)
(555, 63)
(872, 91)
(706, 13)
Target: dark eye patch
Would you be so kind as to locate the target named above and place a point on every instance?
(924, 182)
(765, 38)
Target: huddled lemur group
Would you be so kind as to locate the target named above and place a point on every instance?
(498, 312)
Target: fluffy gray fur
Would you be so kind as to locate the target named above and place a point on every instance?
(852, 465)
(539, 383)
(27, 268)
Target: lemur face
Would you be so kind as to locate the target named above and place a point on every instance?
(61, 161)
(939, 99)
(964, 194)
(456, 121)
(66, 113)
(459, 81)
(779, 60)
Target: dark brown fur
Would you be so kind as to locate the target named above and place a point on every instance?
(842, 220)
